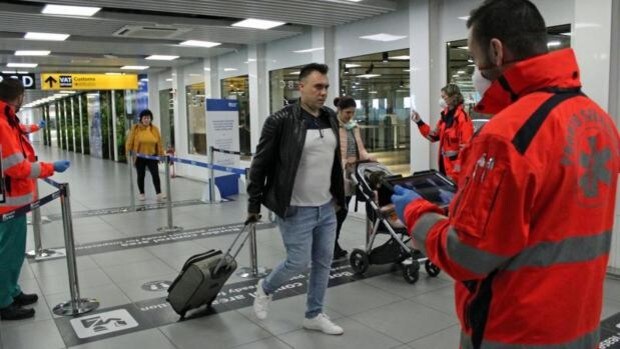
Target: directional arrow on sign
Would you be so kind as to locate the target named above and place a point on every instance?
(50, 80)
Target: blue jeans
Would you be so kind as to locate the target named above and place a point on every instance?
(308, 234)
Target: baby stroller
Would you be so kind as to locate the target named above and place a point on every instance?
(368, 178)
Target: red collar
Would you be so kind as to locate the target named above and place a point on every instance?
(554, 70)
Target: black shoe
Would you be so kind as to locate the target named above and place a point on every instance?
(15, 312)
(25, 299)
(340, 253)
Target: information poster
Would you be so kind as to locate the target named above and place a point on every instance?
(223, 129)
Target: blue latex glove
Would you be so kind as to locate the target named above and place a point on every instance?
(61, 165)
(42, 124)
(446, 196)
(401, 198)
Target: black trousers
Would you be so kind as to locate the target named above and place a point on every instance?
(141, 165)
(340, 217)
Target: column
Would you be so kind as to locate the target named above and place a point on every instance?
(323, 40)
(259, 91)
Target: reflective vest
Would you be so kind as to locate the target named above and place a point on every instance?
(19, 164)
(528, 234)
(452, 137)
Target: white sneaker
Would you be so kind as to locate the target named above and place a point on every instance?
(141, 197)
(161, 197)
(261, 302)
(322, 323)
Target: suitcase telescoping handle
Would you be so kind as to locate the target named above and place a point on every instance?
(250, 227)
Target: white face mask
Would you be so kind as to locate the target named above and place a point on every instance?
(442, 104)
(481, 84)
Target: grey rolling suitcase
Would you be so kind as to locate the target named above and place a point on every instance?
(203, 276)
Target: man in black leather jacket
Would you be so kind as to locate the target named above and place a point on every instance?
(297, 173)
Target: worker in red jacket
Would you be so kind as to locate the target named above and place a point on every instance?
(19, 168)
(453, 131)
(528, 234)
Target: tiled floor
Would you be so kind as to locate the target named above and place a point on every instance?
(378, 312)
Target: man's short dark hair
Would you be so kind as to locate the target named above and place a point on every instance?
(10, 89)
(516, 23)
(308, 69)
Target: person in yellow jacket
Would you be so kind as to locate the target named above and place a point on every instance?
(19, 170)
(145, 138)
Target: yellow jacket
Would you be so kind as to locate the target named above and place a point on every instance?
(144, 140)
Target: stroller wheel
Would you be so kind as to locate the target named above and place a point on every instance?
(359, 261)
(411, 271)
(431, 269)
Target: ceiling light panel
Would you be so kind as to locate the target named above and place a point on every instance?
(22, 65)
(32, 53)
(258, 24)
(161, 58)
(70, 10)
(135, 67)
(46, 36)
(199, 43)
(383, 37)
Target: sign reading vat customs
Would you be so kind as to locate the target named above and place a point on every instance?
(69, 81)
(103, 323)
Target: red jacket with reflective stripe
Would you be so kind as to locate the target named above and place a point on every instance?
(529, 232)
(18, 162)
(452, 139)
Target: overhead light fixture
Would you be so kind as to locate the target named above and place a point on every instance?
(383, 37)
(403, 57)
(230, 69)
(351, 65)
(145, 80)
(199, 43)
(294, 72)
(32, 53)
(373, 92)
(113, 73)
(135, 67)
(169, 80)
(9, 72)
(70, 10)
(566, 34)
(368, 76)
(460, 72)
(46, 36)
(346, 70)
(257, 24)
(554, 44)
(463, 18)
(22, 65)
(309, 50)
(67, 92)
(463, 47)
(161, 58)
(470, 60)
(407, 70)
(22, 72)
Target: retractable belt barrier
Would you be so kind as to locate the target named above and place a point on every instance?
(75, 305)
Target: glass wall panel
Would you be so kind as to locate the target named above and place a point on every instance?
(121, 124)
(85, 126)
(239, 88)
(70, 124)
(283, 87)
(197, 124)
(166, 109)
(379, 83)
(106, 125)
(95, 124)
(77, 126)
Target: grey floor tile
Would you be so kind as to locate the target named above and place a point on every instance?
(217, 331)
(357, 297)
(441, 299)
(109, 259)
(26, 272)
(176, 249)
(133, 288)
(137, 270)
(396, 284)
(269, 343)
(356, 336)
(285, 315)
(59, 266)
(96, 236)
(108, 296)
(610, 307)
(40, 334)
(406, 320)
(41, 308)
(59, 283)
(612, 289)
(447, 338)
(149, 339)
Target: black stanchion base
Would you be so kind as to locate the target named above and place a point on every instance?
(170, 230)
(84, 305)
(46, 254)
(248, 273)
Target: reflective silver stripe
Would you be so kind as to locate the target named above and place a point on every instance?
(422, 227)
(569, 250)
(18, 200)
(12, 160)
(35, 170)
(450, 153)
(475, 260)
(590, 340)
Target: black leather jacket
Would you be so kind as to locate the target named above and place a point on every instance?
(274, 166)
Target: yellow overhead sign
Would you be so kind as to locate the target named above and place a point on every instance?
(88, 82)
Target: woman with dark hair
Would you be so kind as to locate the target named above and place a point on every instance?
(453, 131)
(146, 139)
(351, 150)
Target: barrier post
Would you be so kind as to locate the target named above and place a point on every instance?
(253, 271)
(211, 175)
(40, 253)
(170, 228)
(75, 305)
(131, 185)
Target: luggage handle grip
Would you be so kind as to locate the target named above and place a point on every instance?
(249, 225)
